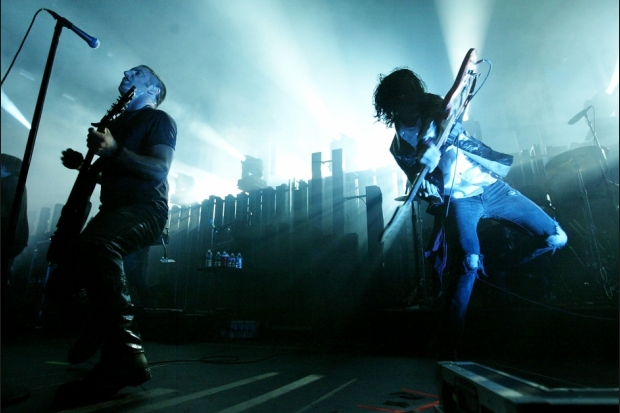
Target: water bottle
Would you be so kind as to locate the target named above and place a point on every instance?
(218, 259)
(224, 259)
(209, 259)
(232, 261)
(239, 261)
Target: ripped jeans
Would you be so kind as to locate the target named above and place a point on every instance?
(500, 202)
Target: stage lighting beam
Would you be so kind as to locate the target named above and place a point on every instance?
(11, 109)
(613, 83)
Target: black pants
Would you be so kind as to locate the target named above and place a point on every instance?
(136, 269)
(97, 266)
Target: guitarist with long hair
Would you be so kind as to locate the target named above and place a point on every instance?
(133, 156)
(463, 185)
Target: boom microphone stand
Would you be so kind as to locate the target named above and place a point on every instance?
(13, 394)
(604, 165)
(7, 244)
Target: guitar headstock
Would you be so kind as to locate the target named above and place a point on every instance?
(118, 107)
(459, 94)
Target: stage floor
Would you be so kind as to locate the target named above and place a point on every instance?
(381, 363)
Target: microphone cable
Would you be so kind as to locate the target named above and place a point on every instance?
(538, 303)
(21, 45)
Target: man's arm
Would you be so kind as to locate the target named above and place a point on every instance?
(430, 155)
(153, 165)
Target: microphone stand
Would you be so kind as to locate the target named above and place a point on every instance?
(604, 167)
(596, 142)
(10, 393)
(7, 244)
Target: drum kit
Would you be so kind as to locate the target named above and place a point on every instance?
(574, 188)
(579, 185)
(576, 172)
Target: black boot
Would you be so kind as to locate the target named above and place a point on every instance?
(122, 364)
(109, 375)
(86, 346)
(122, 361)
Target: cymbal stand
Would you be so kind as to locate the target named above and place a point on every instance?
(591, 232)
(604, 168)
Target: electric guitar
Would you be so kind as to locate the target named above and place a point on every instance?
(75, 211)
(453, 107)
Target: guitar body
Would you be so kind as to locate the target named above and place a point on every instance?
(453, 107)
(73, 215)
(75, 211)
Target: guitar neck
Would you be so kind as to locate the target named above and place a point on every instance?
(75, 211)
(453, 107)
(88, 160)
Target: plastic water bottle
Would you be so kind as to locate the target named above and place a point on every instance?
(209, 259)
(239, 260)
(224, 259)
(218, 259)
(232, 261)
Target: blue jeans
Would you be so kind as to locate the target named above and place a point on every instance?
(500, 202)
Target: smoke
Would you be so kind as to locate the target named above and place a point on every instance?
(280, 80)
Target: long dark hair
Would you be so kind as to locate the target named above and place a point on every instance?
(401, 96)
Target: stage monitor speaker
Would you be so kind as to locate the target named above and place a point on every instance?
(467, 387)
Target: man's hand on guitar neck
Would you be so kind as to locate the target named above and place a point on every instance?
(154, 163)
(430, 154)
(72, 159)
(101, 143)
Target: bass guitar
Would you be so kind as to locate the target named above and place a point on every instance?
(75, 211)
(453, 107)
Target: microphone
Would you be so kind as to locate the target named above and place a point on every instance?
(578, 116)
(92, 41)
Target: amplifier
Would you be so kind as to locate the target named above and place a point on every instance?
(467, 387)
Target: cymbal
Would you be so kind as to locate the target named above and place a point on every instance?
(580, 159)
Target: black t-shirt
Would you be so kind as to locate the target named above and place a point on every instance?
(137, 131)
